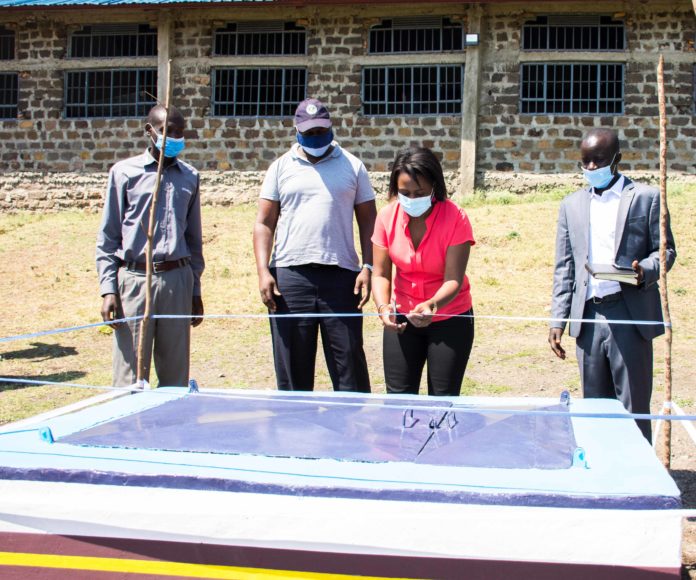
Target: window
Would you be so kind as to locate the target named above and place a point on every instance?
(417, 34)
(258, 92)
(578, 88)
(412, 90)
(110, 93)
(7, 44)
(560, 32)
(260, 39)
(113, 40)
(8, 95)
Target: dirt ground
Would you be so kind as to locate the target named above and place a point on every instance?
(48, 280)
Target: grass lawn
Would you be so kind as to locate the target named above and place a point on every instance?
(48, 280)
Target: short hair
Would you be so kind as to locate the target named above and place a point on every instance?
(157, 114)
(605, 134)
(418, 162)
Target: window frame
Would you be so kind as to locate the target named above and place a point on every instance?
(389, 106)
(9, 36)
(291, 104)
(84, 106)
(417, 28)
(12, 108)
(150, 34)
(582, 22)
(598, 99)
(254, 30)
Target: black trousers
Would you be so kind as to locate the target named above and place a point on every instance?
(615, 361)
(445, 345)
(326, 290)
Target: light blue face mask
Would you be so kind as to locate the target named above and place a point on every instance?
(415, 206)
(599, 178)
(173, 146)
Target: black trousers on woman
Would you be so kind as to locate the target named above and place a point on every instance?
(445, 345)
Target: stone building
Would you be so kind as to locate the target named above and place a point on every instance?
(502, 90)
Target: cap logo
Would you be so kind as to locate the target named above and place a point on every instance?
(312, 109)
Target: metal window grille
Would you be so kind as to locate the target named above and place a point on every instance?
(9, 94)
(575, 89)
(110, 93)
(417, 34)
(113, 40)
(412, 90)
(7, 44)
(595, 33)
(258, 92)
(260, 39)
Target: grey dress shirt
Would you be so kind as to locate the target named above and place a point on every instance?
(177, 233)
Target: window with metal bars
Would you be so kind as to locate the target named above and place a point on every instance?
(572, 88)
(412, 90)
(7, 44)
(258, 92)
(570, 32)
(260, 39)
(416, 34)
(110, 93)
(113, 40)
(9, 94)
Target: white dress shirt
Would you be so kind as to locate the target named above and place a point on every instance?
(603, 211)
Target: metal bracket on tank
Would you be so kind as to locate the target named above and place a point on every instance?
(565, 398)
(579, 458)
(193, 386)
(46, 435)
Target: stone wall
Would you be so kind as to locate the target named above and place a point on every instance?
(542, 144)
(53, 162)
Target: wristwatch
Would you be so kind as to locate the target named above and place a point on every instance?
(368, 266)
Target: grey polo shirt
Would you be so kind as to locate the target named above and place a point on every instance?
(126, 217)
(317, 203)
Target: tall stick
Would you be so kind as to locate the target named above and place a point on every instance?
(145, 322)
(665, 449)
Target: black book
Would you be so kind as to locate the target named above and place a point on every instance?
(614, 273)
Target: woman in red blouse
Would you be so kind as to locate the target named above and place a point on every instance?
(427, 315)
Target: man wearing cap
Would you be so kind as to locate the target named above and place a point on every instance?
(177, 254)
(308, 199)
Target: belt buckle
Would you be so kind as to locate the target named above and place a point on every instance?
(597, 300)
(156, 267)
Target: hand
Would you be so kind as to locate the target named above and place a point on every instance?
(111, 309)
(387, 314)
(555, 335)
(197, 311)
(638, 269)
(421, 315)
(363, 285)
(268, 289)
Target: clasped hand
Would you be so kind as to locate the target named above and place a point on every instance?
(420, 317)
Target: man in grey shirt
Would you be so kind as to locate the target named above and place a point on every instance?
(177, 253)
(308, 200)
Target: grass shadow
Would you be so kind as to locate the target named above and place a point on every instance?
(40, 351)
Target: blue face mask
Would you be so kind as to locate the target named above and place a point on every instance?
(415, 206)
(599, 178)
(173, 146)
(315, 145)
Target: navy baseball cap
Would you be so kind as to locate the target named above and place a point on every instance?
(311, 113)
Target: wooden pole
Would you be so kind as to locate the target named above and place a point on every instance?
(664, 447)
(144, 323)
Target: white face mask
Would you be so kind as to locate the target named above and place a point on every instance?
(415, 206)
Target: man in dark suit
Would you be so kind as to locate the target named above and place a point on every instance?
(613, 221)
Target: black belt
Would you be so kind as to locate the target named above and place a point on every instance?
(608, 298)
(158, 267)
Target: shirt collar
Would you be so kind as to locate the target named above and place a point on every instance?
(615, 189)
(148, 159)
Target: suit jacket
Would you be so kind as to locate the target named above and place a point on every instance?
(637, 238)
